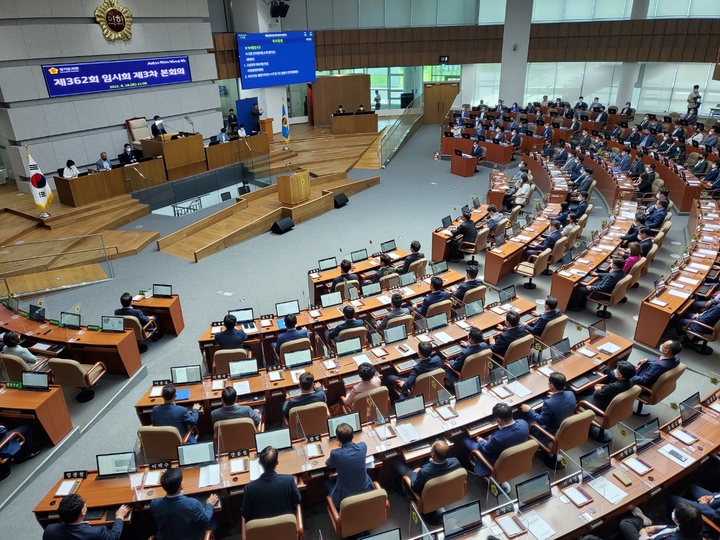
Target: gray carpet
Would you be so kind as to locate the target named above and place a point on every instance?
(414, 194)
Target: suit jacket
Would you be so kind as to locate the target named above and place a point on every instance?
(580, 209)
(585, 184)
(354, 323)
(393, 314)
(574, 126)
(644, 186)
(465, 286)
(602, 117)
(409, 260)
(633, 137)
(172, 414)
(570, 164)
(555, 409)
(617, 132)
(648, 141)
(499, 137)
(156, 130)
(709, 317)
(561, 157)
(231, 339)
(352, 476)
(503, 341)
(607, 281)
(516, 140)
(318, 396)
(466, 232)
(82, 531)
(432, 470)
(144, 319)
(476, 151)
(537, 328)
(432, 298)
(550, 241)
(502, 439)
(103, 165)
(289, 335)
(710, 140)
(548, 134)
(562, 217)
(233, 412)
(712, 175)
(602, 398)
(624, 163)
(423, 366)
(655, 219)
(458, 362)
(232, 119)
(584, 142)
(181, 517)
(270, 495)
(645, 246)
(344, 277)
(649, 372)
(126, 157)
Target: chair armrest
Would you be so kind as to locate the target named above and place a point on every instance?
(209, 535)
(687, 326)
(607, 295)
(333, 513)
(448, 366)
(99, 366)
(546, 433)
(582, 405)
(709, 523)
(261, 426)
(408, 483)
(10, 436)
(476, 454)
(192, 430)
(532, 258)
(299, 519)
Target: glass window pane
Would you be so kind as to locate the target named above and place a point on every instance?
(397, 13)
(703, 8)
(487, 83)
(600, 81)
(689, 75)
(578, 11)
(372, 13)
(612, 9)
(345, 13)
(492, 12)
(547, 10)
(655, 83)
(456, 12)
(424, 12)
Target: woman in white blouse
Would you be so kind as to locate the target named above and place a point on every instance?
(70, 170)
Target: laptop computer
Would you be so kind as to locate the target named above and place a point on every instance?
(291, 307)
(245, 318)
(278, 439)
(38, 381)
(499, 239)
(458, 152)
(519, 368)
(388, 246)
(327, 264)
(296, 359)
(436, 321)
(560, 350)
(407, 279)
(13, 303)
(408, 408)
(186, 374)
(243, 368)
(70, 320)
(596, 462)
(476, 202)
(462, 520)
(346, 347)
(371, 289)
(446, 222)
(516, 228)
(439, 268)
(36, 313)
(111, 323)
(351, 419)
(359, 255)
(467, 388)
(507, 294)
(115, 465)
(690, 409)
(597, 330)
(331, 299)
(395, 334)
(647, 435)
(533, 491)
(392, 534)
(473, 308)
(196, 455)
(162, 291)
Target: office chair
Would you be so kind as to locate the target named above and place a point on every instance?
(663, 387)
(440, 491)
(573, 432)
(285, 527)
(365, 402)
(513, 462)
(72, 373)
(312, 418)
(619, 410)
(477, 364)
(533, 267)
(223, 357)
(235, 434)
(358, 513)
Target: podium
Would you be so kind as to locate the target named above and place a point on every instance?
(267, 128)
(294, 189)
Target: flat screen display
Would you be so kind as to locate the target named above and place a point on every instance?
(276, 59)
(291, 307)
(196, 454)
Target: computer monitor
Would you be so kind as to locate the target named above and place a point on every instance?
(462, 519)
(351, 419)
(446, 222)
(243, 368)
(388, 246)
(534, 490)
(36, 313)
(476, 202)
(579, 249)
(473, 308)
(115, 465)
(596, 461)
(499, 239)
(560, 350)
(291, 307)
(394, 334)
(186, 374)
(516, 228)
(437, 321)
(327, 264)
(194, 455)
(13, 303)
(111, 323)
(35, 380)
(507, 294)
(70, 320)
(439, 268)
(519, 368)
(392, 534)
(566, 259)
(467, 388)
(359, 255)
(243, 315)
(278, 439)
(528, 219)
(408, 407)
(597, 330)
(162, 291)
(331, 299)
(690, 408)
(296, 359)
(407, 279)
(371, 289)
(347, 347)
(647, 434)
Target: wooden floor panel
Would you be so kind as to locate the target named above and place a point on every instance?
(53, 279)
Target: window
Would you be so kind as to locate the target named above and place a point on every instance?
(570, 80)
(492, 12)
(658, 9)
(547, 11)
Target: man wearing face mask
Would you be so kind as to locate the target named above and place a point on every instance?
(633, 137)
(128, 156)
(604, 393)
(664, 144)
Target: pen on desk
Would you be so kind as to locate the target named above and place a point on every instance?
(581, 490)
(46, 333)
(644, 463)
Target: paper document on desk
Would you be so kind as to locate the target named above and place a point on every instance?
(384, 299)
(700, 266)
(688, 280)
(407, 291)
(255, 469)
(393, 255)
(239, 465)
(156, 391)
(276, 376)
(609, 348)
(296, 375)
(518, 389)
(658, 302)
(607, 490)
(444, 337)
(209, 475)
(407, 432)
(537, 525)
(679, 294)
(41, 346)
(218, 384)
(67, 487)
(136, 480)
(242, 387)
(216, 329)
(152, 478)
(361, 359)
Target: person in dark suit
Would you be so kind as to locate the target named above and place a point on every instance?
(562, 155)
(465, 232)
(515, 139)
(72, 511)
(157, 127)
(15, 451)
(436, 295)
(172, 414)
(290, 333)
(602, 116)
(645, 241)
(498, 136)
(272, 494)
(427, 362)
(310, 392)
(686, 524)
(579, 169)
(513, 331)
(177, 516)
(656, 217)
(626, 109)
(706, 502)
(128, 155)
(606, 283)
(632, 234)
(386, 268)
(709, 317)
(643, 184)
(713, 174)
(510, 433)
(585, 140)
(548, 243)
(350, 321)
(648, 140)
(345, 274)
(126, 309)
(621, 381)
(574, 125)
(623, 161)
(231, 337)
(648, 371)
(637, 167)
(558, 406)
(548, 134)
(471, 282)
(438, 465)
(232, 121)
(551, 313)
(633, 136)
(397, 310)
(582, 206)
(473, 345)
(414, 255)
(349, 462)
(230, 409)
(256, 112)
(563, 215)
(581, 104)
(617, 132)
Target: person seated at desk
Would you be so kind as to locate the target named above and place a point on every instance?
(580, 104)
(241, 131)
(574, 126)
(572, 162)
(510, 433)
(656, 215)
(643, 184)
(514, 330)
(103, 164)
(397, 310)
(170, 413)
(548, 134)
(633, 137)
(473, 345)
(177, 516)
(710, 139)
(584, 141)
(498, 136)
(581, 184)
(471, 282)
(369, 380)
(15, 452)
(708, 316)
(551, 312)
(697, 136)
(70, 170)
(712, 178)
(517, 177)
(687, 524)
(632, 234)
(572, 221)
(637, 167)
(360, 109)
(480, 132)
(620, 380)
(290, 333)
(386, 268)
(414, 255)
(519, 197)
(670, 150)
(648, 140)
(562, 154)
(515, 139)
(438, 465)
(271, 494)
(349, 462)
(231, 410)
(578, 211)
(157, 128)
(71, 511)
(701, 165)
(126, 309)
(706, 502)
(222, 136)
(602, 116)
(477, 153)
(559, 405)
(632, 256)
(232, 121)
(623, 160)
(231, 337)
(436, 295)
(402, 386)
(345, 274)
(310, 392)
(331, 336)
(494, 218)
(128, 155)
(464, 233)
(606, 283)
(564, 214)
(340, 110)
(11, 340)
(579, 168)
(549, 242)
(616, 133)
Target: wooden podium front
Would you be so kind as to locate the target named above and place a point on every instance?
(294, 189)
(183, 157)
(266, 127)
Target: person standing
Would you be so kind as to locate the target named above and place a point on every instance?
(232, 121)
(377, 100)
(256, 113)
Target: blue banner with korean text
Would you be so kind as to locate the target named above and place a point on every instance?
(73, 79)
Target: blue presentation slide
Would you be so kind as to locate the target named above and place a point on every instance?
(276, 59)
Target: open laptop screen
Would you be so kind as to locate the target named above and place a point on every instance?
(463, 518)
(359, 255)
(327, 264)
(36, 313)
(395, 333)
(439, 268)
(35, 380)
(186, 374)
(596, 461)
(291, 307)
(242, 315)
(407, 279)
(392, 534)
(114, 465)
(507, 294)
(467, 388)
(243, 368)
(411, 406)
(388, 246)
(437, 321)
(560, 350)
(348, 346)
(690, 408)
(278, 439)
(647, 434)
(473, 308)
(519, 368)
(299, 358)
(446, 222)
(70, 320)
(196, 454)
(352, 419)
(162, 291)
(110, 323)
(331, 299)
(533, 490)
(371, 289)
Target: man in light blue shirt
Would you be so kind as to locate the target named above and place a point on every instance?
(103, 164)
(222, 136)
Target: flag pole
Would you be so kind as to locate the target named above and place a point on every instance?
(44, 189)
(285, 128)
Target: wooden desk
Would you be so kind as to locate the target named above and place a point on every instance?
(349, 124)
(117, 350)
(183, 157)
(441, 237)
(463, 166)
(48, 409)
(167, 311)
(450, 144)
(235, 151)
(497, 153)
(554, 183)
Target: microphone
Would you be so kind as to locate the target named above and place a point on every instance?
(187, 119)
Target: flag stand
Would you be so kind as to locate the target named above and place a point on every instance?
(44, 215)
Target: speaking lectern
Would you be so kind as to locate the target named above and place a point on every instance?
(294, 189)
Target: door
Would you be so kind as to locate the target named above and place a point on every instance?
(437, 100)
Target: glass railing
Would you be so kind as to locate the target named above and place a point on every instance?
(394, 136)
(37, 267)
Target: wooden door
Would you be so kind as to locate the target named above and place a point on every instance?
(437, 100)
